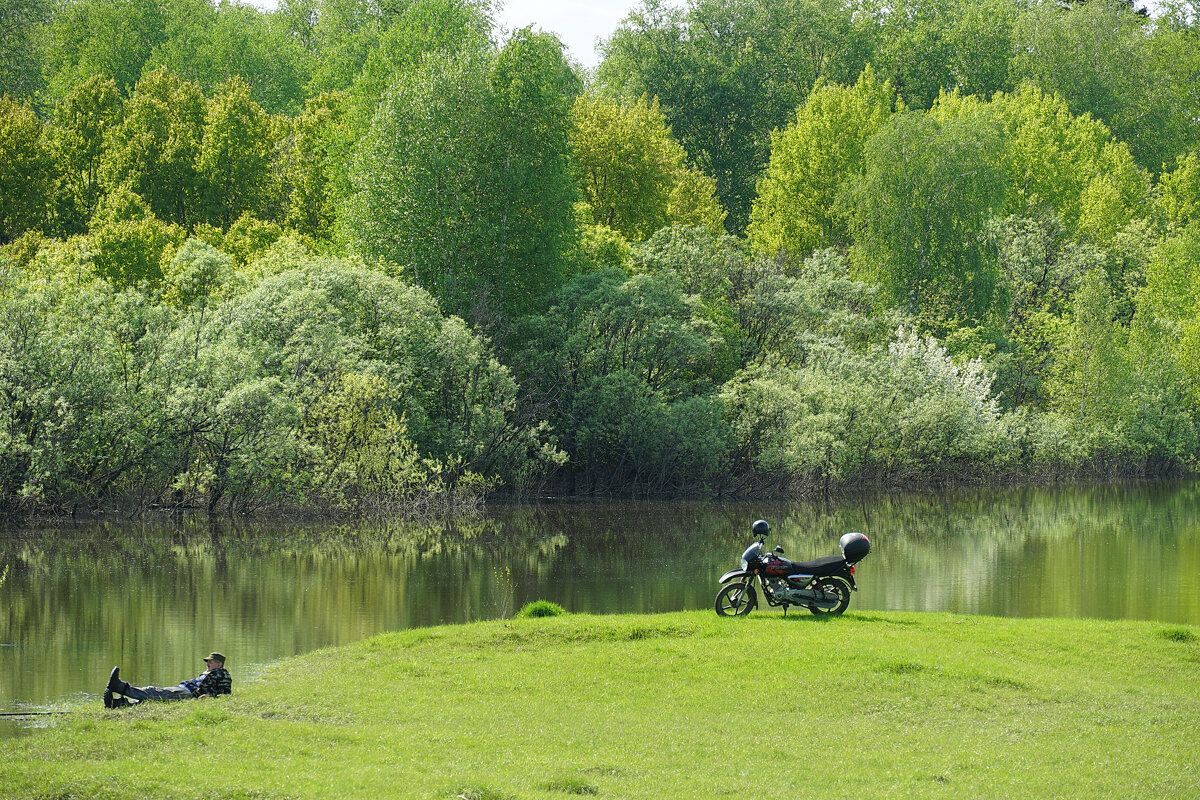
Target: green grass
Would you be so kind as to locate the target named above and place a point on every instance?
(868, 705)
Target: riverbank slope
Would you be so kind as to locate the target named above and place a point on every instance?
(674, 705)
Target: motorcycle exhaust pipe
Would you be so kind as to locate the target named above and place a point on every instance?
(819, 598)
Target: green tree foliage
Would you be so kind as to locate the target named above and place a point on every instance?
(130, 243)
(1054, 159)
(82, 119)
(234, 155)
(635, 175)
(727, 73)
(811, 162)
(1171, 300)
(881, 413)
(113, 38)
(1179, 192)
(1100, 57)
(1001, 283)
(410, 31)
(302, 190)
(1040, 267)
(533, 88)
(338, 36)
(22, 29)
(322, 382)
(78, 419)
(318, 319)
(920, 211)
(209, 44)
(1093, 377)
(925, 47)
(154, 150)
(464, 178)
(420, 177)
(26, 170)
(618, 364)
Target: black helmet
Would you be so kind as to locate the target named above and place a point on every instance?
(760, 527)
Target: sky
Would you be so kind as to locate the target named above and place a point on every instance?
(577, 24)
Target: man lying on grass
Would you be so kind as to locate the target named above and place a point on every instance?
(213, 681)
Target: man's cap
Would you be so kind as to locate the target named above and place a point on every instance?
(215, 657)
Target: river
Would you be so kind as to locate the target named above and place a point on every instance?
(155, 596)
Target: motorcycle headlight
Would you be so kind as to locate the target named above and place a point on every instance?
(744, 564)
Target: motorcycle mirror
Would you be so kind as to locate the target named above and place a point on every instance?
(779, 549)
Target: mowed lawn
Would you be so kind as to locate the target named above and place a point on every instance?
(686, 705)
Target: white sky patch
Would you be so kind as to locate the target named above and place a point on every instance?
(578, 24)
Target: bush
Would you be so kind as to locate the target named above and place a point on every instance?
(541, 608)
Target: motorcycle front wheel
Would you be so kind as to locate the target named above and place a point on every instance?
(834, 586)
(736, 599)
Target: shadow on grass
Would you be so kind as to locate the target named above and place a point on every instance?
(478, 793)
(571, 785)
(832, 619)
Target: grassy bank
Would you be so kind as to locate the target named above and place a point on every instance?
(667, 706)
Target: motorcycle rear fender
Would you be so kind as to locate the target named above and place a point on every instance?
(734, 573)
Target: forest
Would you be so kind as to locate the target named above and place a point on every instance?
(380, 255)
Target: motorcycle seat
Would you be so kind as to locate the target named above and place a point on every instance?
(819, 567)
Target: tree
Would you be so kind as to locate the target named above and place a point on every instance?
(1179, 192)
(208, 43)
(414, 29)
(919, 212)
(533, 87)
(1169, 304)
(635, 175)
(1092, 374)
(130, 243)
(154, 150)
(1040, 266)
(419, 180)
(303, 168)
(82, 120)
(464, 178)
(26, 170)
(234, 155)
(620, 365)
(925, 47)
(1100, 58)
(22, 26)
(106, 37)
(1050, 154)
(811, 160)
(727, 72)
(314, 323)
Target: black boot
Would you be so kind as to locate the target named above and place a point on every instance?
(108, 699)
(114, 681)
(121, 702)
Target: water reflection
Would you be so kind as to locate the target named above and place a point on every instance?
(155, 597)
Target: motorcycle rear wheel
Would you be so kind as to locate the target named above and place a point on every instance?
(832, 586)
(736, 599)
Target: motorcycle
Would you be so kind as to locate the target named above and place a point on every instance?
(822, 585)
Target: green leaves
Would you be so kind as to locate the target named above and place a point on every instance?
(26, 171)
(463, 181)
(635, 176)
(919, 213)
(811, 162)
(322, 382)
(234, 155)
